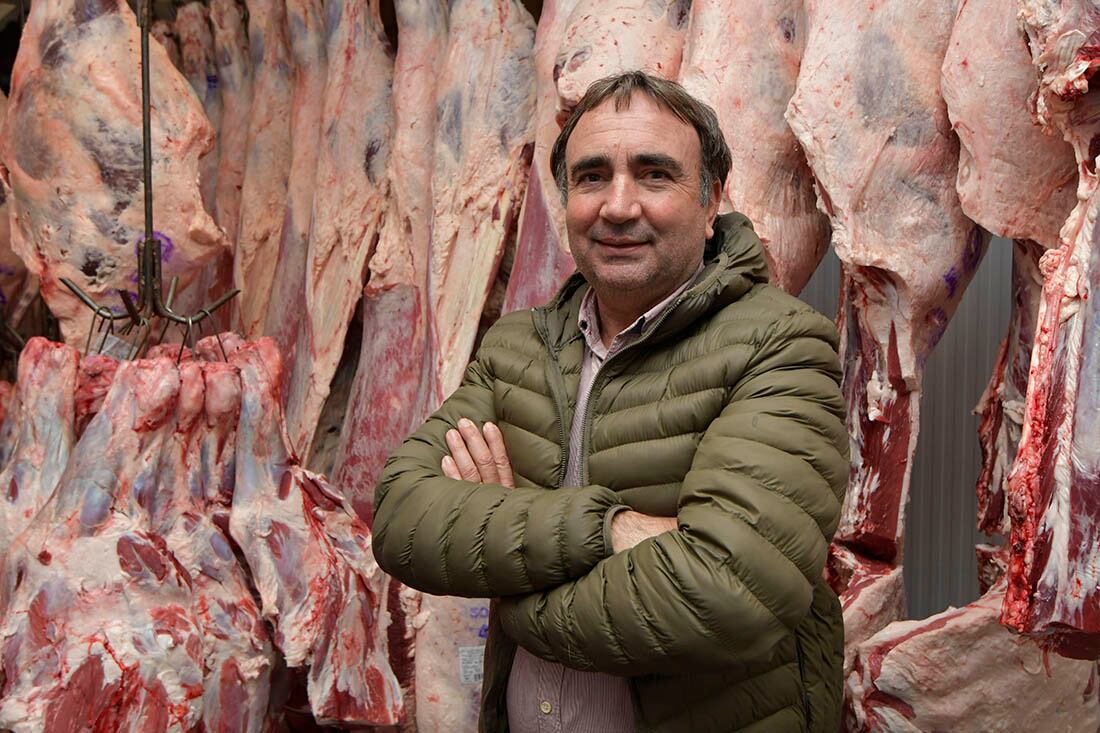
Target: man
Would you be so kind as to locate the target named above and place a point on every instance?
(673, 430)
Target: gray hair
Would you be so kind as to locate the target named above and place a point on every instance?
(715, 154)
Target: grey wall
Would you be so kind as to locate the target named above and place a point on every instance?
(940, 535)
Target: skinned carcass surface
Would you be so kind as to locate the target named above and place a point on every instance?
(13, 273)
(267, 169)
(198, 64)
(742, 57)
(1052, 488)
(1017, 181)
(100, 632)
(310, 559)
(72, 156)
(393, 389)
(484, 134)
(604, 37)
(235, 81)
(162, 31)
(286, 307)
(349, 203)
(43, 414)
(542, 260)
(962, 671)
(875, 129)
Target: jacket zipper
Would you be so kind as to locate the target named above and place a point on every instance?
(802, 682)
(557, 388)
(598, 385)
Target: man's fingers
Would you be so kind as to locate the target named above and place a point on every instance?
(450, 468)
(461, 456)
(479, 451)
(495, 439)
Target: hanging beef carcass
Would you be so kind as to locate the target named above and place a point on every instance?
(393, 389)
(962, 671)
(484, 133)
(286, 307)
(1053, 486)
(198, 64)
(542, 259)
(194, 466)
(611, 36)
(267, 168)
(72, 158)
(348, 204)
(163, 32)
(100, 632)
(576, 44)
(877, 136)
(310, 558)
(235, 81)
(742, 58)
(43, 414)
(13, 273)
(1017, 181)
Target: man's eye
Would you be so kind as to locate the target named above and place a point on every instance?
(657, 175)
(588, 178)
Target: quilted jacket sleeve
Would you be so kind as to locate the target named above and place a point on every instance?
(458, 538)
(756, 513)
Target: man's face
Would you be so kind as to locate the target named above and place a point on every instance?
(636, 225)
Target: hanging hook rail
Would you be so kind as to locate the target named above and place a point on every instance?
(151, 303)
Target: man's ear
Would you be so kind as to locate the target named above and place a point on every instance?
(713, 203)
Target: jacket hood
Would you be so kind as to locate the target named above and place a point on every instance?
(733, 261)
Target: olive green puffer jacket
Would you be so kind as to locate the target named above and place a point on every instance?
(726, 414)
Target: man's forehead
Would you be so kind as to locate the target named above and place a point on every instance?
(638, 127)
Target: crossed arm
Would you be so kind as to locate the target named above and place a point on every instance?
(482, 458)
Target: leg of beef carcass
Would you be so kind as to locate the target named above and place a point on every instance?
(267, 168)
(163, 32)
(99, 634)
(881, 147)
(288, 292)
(484, 134)
(605, 37)
(235, 81)
(871, 592)
(1016, 181)
(1055, 483)
(201, 70)
(742, 58)
(236, 649)
(542, 260)
(45, 412)
(393, 390)
(13, 273)
(349, 202)
(962, 671)
(1002, 404)
(1053, 486)
(72, 157)
(310, 560)
(392, 393)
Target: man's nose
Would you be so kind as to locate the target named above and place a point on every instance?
(622, 202)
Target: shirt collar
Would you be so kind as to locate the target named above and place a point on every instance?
(589, 320)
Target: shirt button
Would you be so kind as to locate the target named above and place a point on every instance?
(545, 707)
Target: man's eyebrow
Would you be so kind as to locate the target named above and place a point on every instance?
(592, 162)
(658, 160)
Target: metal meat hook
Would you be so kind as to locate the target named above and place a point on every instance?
(150, 302)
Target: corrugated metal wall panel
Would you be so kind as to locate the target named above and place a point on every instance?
(940, 535)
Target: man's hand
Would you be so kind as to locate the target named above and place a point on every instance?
(477, 457)
(628, 528)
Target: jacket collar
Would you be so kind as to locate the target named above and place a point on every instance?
(733, 261)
